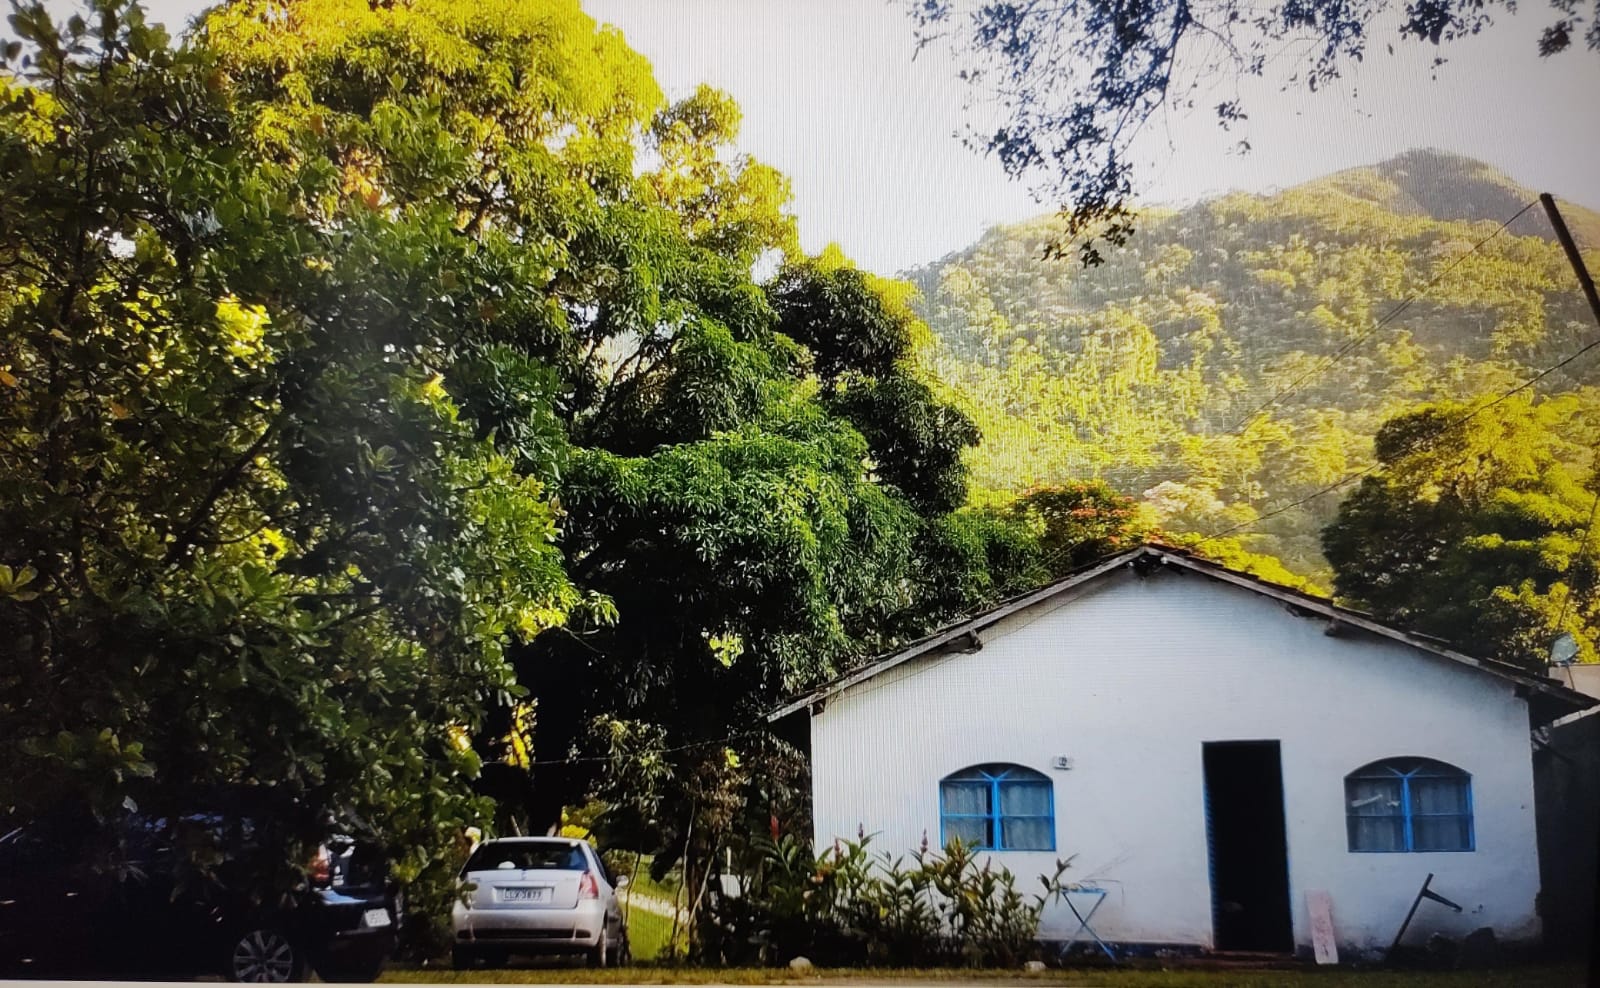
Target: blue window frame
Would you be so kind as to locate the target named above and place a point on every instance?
(998, 808)
(1408, 804)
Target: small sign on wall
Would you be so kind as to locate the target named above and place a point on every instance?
(1061, 763)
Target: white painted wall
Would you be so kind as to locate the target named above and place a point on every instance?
(1128, 678)
(1584, 678)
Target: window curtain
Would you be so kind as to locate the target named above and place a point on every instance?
(1375, 815)
(1409, 804)
(967, 813)
(1022, 833)
(1025, 823)
(966, 798)
(1441, 817)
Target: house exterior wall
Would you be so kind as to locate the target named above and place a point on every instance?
(1583, 678)
(1128, 676)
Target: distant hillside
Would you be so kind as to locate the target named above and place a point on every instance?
(1445, 186)
(1147, 370)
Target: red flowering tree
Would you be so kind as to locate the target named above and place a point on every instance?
(1081, 521)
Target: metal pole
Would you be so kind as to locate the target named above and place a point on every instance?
(1570, 246)
(1403, 926)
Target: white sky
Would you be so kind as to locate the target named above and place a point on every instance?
(832, 97)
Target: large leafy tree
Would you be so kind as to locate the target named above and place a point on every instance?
(516, 128)
(383, 378)
(1072, 84)
(754, 471)
(1478, 529)
(755, 555)
(248, 535)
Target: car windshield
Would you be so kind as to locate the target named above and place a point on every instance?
(531, 855)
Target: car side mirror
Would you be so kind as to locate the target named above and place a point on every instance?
(623, 882)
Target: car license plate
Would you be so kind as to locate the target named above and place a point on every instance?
(524, 895)
(376, 917)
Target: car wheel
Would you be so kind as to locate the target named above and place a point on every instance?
(599, 954)
(263, 954)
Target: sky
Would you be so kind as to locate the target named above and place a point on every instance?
(833, 97)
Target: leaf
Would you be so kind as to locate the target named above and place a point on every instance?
(7, 378)
(12, 581)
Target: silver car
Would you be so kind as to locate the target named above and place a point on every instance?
(537, 895)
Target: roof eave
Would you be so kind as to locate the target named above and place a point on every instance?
(1549, 689)
(975, 623)
(1548, 692)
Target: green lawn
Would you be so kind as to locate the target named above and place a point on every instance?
(666, 889)
(1529, 977)
(648, 933)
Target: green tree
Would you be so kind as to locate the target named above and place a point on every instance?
(248, 534)
(1477, 530)
(861, 334)
(762, 557)
(750, 469)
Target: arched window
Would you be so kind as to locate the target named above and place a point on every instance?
(1409, 804)
(998, 808)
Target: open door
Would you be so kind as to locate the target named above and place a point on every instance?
(1249, 851)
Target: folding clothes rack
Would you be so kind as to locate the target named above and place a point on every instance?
(1067, 892)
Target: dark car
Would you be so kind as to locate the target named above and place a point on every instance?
(191, 894)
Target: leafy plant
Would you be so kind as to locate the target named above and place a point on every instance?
(849, 907)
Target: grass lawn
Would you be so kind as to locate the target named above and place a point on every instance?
(648, 933)
(1529, 977)
(666, 889)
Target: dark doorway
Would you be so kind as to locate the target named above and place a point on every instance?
(1249, 852)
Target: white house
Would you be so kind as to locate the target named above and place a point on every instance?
(1208, 748)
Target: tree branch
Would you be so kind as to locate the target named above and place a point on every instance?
(188, 537)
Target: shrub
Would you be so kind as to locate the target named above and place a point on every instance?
(847, 907)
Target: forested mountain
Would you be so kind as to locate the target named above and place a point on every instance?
(1240, 354)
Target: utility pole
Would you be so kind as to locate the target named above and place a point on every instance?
(1567, 244)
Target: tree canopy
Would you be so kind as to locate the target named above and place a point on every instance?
(1478, 529)
(248, 536)
(387, 389)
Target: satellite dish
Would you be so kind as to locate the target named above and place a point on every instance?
(1563, 650)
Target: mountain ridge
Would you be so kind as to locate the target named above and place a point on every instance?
(1328, 308)
(1446, 186)
(1426, 182)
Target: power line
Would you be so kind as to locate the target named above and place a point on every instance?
(1389, 317)
(1412, 448)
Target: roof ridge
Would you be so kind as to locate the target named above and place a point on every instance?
(1196, 562)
